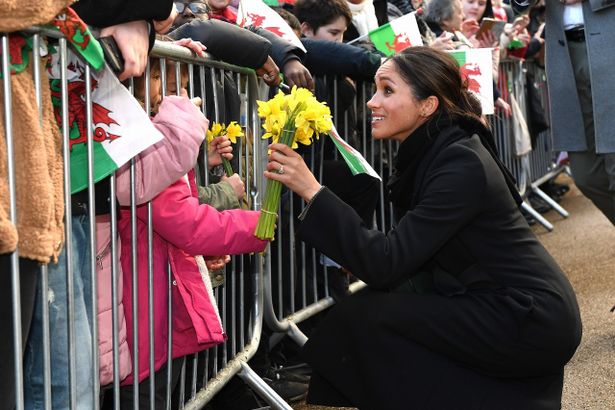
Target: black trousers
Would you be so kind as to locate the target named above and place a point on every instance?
(28, 272)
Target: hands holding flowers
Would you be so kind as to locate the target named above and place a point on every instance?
(220, 151)
(288, 120)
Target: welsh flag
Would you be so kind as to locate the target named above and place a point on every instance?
(258, 14)
(120, 127)
(393, 37)
(476, 68)
(355, 161)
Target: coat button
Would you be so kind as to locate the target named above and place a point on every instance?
(174, 283)
(219, 278)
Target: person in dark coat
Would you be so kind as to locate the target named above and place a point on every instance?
(464, 308)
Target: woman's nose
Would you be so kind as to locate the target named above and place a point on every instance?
(372, 103)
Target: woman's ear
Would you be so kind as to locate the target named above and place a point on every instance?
(307, 30)
(429, 105)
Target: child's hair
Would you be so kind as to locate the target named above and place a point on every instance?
(318, 13)
(290, 19)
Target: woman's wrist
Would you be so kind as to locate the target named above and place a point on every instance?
(311, 192)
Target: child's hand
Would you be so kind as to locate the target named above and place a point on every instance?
(219, 146)
(237, 183)
(269, 72)
(217, 262)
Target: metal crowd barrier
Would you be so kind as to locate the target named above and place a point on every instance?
(239, 297)
(285, 287)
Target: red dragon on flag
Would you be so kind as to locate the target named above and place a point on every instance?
(77, 111)
(400, 42)
(468, 72)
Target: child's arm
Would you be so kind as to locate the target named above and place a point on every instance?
(200, 229)
(184, 128)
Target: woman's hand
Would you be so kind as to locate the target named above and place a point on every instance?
(487, 40)
(286, 166)
(443, 42)
(469, 27)
(219, 147)
(503, 106)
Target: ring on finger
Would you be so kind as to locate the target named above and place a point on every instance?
(281, 170)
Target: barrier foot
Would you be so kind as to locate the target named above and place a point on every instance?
(551, 202)
(296, 334)
(262, 389)
(548, 226)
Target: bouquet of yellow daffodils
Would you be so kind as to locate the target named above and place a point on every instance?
(289, 119)
(231, 131)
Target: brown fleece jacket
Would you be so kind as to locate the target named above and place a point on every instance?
(37, 159)
(20, 14)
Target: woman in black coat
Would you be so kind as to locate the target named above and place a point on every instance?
(464, 308)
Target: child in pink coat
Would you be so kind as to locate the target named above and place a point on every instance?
(183, 229)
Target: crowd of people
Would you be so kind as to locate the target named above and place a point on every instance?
(461, 296)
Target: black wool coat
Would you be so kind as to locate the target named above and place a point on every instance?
(492, 328)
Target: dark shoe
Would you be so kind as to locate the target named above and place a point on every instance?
(538, 203)
(287, 385)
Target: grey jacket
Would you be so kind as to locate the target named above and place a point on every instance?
(567, 121)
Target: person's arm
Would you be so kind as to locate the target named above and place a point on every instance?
(112, 12)
(200, 229)
(184, 127)
(227, 42)
(287, 57)
(220, 196)
(452, 197)
(327, 57)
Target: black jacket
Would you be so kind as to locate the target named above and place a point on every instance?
(493, 328)
(227, 42)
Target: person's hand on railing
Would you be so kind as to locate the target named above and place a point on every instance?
(133, 41)
(237, 184)
(295, 73)
(503, 106)
(219, 147)
(162, 26)
(196, 46)
(269, 72)
(216, 262)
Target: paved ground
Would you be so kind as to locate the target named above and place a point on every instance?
(584, 245)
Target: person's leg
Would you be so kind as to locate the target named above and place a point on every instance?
(594, 174)
(160, 388)
(28, 274)
(56, 297)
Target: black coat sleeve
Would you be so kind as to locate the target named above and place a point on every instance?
(227, 42)
(111, 12)
(451, 197)
(282, 51)
(327, 57)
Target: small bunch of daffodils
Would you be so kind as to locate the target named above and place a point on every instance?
(231, 131)
(289, 119)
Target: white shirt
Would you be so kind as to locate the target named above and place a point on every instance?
(573, 16)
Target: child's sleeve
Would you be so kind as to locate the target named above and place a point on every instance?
(184, 128)
(201, 229)
(220, 196)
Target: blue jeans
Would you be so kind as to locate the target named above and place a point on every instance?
(56, 297)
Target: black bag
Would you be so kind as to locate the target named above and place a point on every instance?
(537, 120)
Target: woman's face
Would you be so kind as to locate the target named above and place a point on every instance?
(474, 9)
(395, 111)
(453, 23)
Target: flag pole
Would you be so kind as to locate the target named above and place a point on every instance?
(358, 38)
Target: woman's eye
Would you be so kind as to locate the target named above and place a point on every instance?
(388, 90)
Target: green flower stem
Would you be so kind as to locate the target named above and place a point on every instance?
(228, 169)
(265, 228)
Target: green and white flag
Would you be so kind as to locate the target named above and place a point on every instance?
(393, 37)
(121, 129)
(355, 161)
(476, 65)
